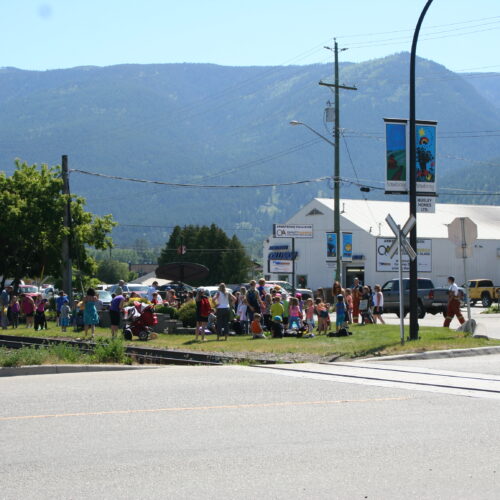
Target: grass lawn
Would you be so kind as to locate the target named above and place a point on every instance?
(366, 340)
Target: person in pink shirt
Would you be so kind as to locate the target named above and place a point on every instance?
(28, 309)
(295, 314)
(349, 304)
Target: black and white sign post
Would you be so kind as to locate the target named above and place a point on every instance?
(399, 244)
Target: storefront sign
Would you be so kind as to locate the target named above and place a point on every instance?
(387, 264)
(281, 266)
(293, 230)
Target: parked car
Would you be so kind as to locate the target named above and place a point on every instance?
(483, 290)
(30, 290)
(305, 292)
(430, 299)
(141, 290)
(105, 298)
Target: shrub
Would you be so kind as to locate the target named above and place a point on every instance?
(187, 313)
(109, 351)
(131, 301)
(166, 309)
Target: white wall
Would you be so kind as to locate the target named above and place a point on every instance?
(311, 261)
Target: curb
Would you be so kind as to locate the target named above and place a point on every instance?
(450, 353)
(53, 369)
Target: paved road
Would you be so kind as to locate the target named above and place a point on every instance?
(487, 324)
(243, 432)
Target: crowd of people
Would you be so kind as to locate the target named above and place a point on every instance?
(261, 311)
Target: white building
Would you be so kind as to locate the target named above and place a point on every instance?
(365, 220)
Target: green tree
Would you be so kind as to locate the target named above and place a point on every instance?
(31, 224)
(225, 257)
(112, 271)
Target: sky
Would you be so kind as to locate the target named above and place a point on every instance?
(53, 34)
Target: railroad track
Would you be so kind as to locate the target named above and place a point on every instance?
(141, 355)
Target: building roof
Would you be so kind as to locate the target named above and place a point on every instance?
(368, 214)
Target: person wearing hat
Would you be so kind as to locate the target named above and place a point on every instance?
(277, 327)
(115, 309)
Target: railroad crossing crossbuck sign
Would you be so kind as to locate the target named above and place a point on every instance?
(401, 235)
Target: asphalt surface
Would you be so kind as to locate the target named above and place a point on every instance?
(246, 432)
(487, 324)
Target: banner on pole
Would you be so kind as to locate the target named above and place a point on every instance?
(281, 266)
(331, 245)
(347, 247)
(396, 178)
(425, 132)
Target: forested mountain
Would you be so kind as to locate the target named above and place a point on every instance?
(207, 124)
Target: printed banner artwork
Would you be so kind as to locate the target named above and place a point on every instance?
(386, 264)
(281, 266)
(396, 178)
(293, 231)
(347, 247)
(426, 156)
(331, 245)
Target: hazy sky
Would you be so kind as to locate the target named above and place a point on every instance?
(50, 34)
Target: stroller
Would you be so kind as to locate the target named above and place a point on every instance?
(138, 321)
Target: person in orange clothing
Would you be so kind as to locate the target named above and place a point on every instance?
(356, 297)
(453, 308)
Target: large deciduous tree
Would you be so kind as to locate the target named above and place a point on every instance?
(31, 224)
(225, 257)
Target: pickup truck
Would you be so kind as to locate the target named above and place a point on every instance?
(483, 290)
(430, 299)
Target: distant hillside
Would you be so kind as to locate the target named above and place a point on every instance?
(201, 123)
(487, 84)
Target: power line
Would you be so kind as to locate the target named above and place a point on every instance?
(198, 186)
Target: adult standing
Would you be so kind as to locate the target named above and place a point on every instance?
(356, 298)
(152, 289)
(115, 309)
(253, 300)
(60, 299)
(4, 305)
(203, 309)
(223, 300)
(28, 309)
(378, 304)
(262, 289)
(90, 316)
(453, 308)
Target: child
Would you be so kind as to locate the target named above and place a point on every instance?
(322, 313)
(241, 313)
(277, 327)
(64, 316)
(295, 314)
(15, 308)
(365, 306)
(340, 308)
(212, 319)
(40, 319)
(256, 327)
(266, 311)
(349, 305)
(286, 306)
(277, 308)
(310, 315)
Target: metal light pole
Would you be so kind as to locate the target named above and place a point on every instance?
(413, 181)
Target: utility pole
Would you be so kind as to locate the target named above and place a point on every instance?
(413, 181)
(66, 255)
(336, 174)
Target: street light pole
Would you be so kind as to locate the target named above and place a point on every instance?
(413, 181)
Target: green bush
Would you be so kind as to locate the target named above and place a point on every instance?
(109, 351)
(166, 309)
(187, 314)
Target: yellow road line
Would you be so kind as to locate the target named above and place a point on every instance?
(202, 408)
